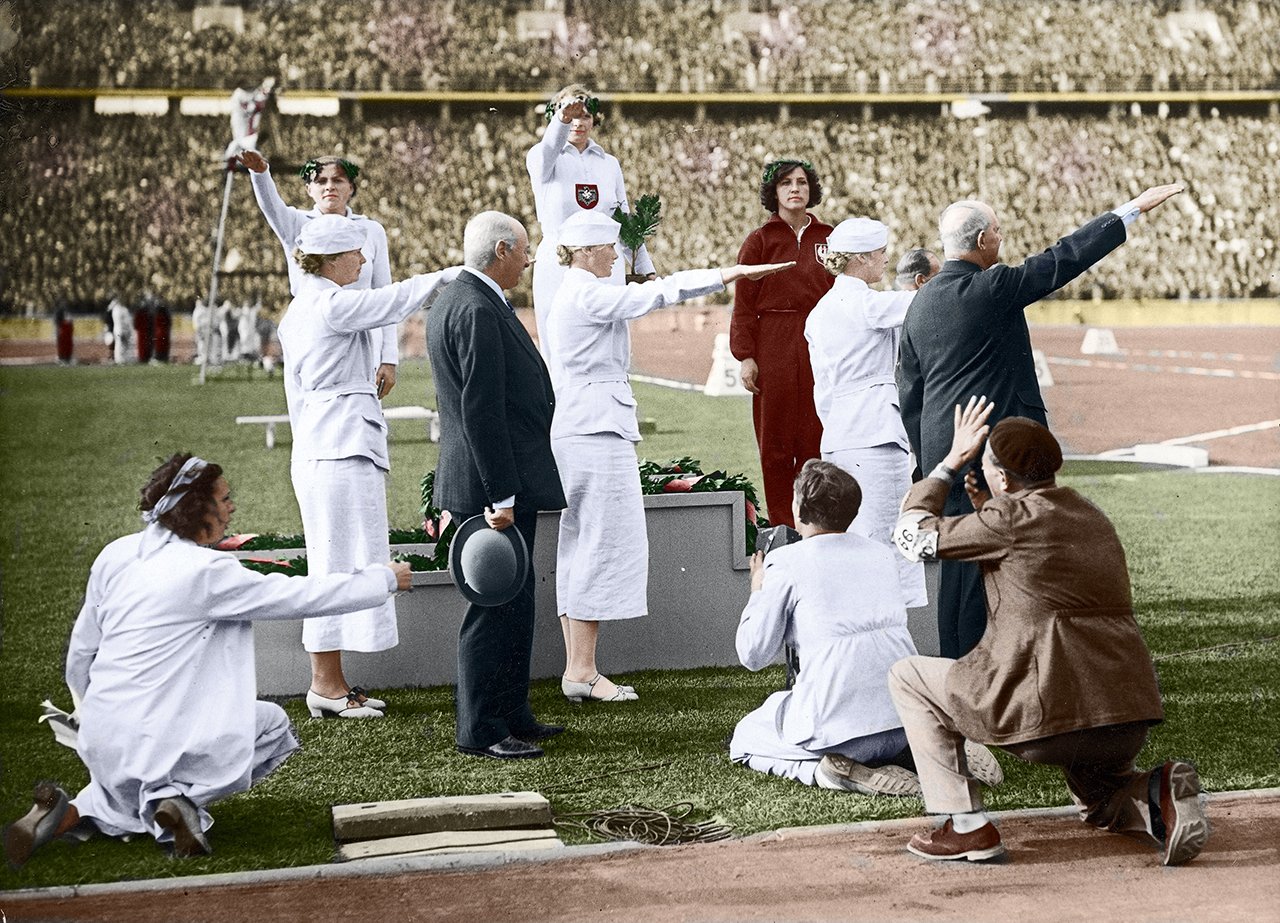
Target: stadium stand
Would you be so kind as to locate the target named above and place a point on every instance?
(127, 203)
(663, 46)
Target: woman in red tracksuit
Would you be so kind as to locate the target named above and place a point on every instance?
(767, 330)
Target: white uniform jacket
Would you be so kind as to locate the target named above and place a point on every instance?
(589, 342)
(161, 658)
(853, 336)
(836, 599)
(287, 222)
(565, 181)
(325, 338)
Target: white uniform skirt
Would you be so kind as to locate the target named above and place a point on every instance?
(344, 515)
(884, 474)
(602, 564)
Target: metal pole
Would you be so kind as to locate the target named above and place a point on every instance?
(217, 262)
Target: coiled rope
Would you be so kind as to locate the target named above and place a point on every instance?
(658, 827)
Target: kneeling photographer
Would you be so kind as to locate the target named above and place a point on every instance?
(835, 598)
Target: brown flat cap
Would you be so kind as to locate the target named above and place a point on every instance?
(1026, 449)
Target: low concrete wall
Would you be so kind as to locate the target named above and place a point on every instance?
(699, 581)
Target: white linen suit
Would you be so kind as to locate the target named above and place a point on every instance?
(853, 336)
(835, 598)
(287, 222)
(340, 459)
(565, 181)
(161, 658)
(602, 563)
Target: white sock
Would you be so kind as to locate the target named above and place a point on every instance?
(969, 822)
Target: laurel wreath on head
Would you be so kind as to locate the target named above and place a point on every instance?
(774, 167)
(312, 168)
(593, 108)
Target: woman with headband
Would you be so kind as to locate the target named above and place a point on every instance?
(766, 332)
(161, 663)
(331, 183)
(339, 462)
(572, 174)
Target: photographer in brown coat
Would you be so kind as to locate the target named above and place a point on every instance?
(1062, 675)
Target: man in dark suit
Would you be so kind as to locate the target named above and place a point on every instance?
(496, 402)
(966, 334)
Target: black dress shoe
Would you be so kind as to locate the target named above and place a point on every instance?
(509, 748)
(539, 732)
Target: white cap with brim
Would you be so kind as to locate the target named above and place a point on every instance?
(330, 234)
(588, 229)
(858, 235)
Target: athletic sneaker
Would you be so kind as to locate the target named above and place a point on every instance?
(982, 764)
(1185, 828)
(843, 774)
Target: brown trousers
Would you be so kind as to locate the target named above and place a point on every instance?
(1098, 763)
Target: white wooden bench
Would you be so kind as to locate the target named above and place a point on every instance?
(390, 413)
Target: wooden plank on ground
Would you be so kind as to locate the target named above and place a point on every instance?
(504, 810)
(450, 841)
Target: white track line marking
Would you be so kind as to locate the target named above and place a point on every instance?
(1223, 433)
(1166, 369)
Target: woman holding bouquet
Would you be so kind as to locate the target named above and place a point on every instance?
(602, 564)
(572, 174)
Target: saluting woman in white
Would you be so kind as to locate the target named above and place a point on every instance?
(571, 174)
(339, 464)
(602, 564)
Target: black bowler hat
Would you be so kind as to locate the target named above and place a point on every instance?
(488, 566)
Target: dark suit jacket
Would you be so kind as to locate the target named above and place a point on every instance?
(1062, 651)
(966, 334)
(495, 401)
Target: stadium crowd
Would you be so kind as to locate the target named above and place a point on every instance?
(84, 186)
(659, 45)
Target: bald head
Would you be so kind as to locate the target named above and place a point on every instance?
(969, 230)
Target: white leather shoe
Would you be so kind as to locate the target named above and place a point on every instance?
(342, 707)
(582, 692)
(840, 773)
(363, 697)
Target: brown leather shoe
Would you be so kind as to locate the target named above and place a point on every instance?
(1186, 830)
(945, 843)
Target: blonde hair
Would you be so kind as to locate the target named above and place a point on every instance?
(836, 261)
(564, 255)
(312, 262)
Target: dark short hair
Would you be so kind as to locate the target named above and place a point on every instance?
(769, 190)
(190, 517)
(914, 262)
(829, 496)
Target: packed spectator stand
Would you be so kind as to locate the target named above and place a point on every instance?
(125, 203)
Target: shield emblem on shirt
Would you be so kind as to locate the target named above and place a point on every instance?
(820, 252)
(586, 194)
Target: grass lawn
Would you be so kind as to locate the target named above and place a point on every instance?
(76, 444)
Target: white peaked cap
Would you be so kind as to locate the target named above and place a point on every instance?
(588, 229)
(330, 234)
(858, 235)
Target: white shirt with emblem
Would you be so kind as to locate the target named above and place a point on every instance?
(565, 181)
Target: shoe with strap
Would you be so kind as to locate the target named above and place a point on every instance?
(344, 706)
(585, 692)
(839, 773)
